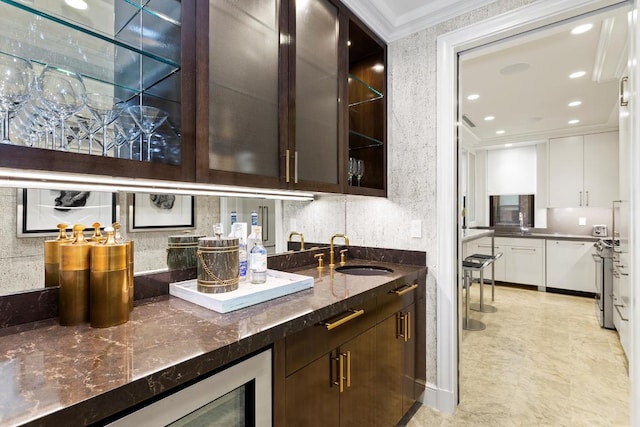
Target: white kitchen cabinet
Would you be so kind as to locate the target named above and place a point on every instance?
(570, 265)
(583, 170)
(524, 261)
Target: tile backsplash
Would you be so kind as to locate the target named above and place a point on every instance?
(566, 220)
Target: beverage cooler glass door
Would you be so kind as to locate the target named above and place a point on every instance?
(237, 396)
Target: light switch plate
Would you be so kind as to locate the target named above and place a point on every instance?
(582, 221)
(416, 229)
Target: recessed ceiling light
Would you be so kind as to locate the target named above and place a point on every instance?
(577, 74)
(573, 122)
(575, 103)
(489, 118)
(378, 68)
(500, 132)
(508, 145)
(77, 4)
(582, 28)
(473, 97)
(348, 42)
(517, 68)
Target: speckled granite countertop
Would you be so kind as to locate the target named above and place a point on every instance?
(55, 375)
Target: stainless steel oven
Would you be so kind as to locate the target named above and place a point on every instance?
(603, 259)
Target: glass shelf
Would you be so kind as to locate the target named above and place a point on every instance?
(360, 92)
(44, 37)
(358, 141)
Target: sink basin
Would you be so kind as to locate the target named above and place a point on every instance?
(363, 270)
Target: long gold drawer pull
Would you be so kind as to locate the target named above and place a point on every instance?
(286, 167)
(343, 320)
(348, 369)
(341, 372)
(408, 316)
(405, 290)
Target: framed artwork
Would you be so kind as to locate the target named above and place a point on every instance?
(40, 211)
(161, 211)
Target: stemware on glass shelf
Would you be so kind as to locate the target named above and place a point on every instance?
(16, 81)
(359, 170)
(352, 169)
(130, 132)
(88, 126)
(106, 109)
(62, 91)
(148, 119)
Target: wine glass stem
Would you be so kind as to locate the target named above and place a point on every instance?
(5, 128)
(105, 142)
(149, 147)
(359, 181)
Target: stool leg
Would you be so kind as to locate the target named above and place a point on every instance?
(493, 281)
(481, 290)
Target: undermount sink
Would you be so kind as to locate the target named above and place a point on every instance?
(363, 270)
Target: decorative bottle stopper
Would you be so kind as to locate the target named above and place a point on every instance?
(97, 235)
(62, 232)
(118, 236)
(78, 233)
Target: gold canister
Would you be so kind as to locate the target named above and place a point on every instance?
(52, 257)
(130, 256)
(73, 299)
(109, 283)
(218, 265)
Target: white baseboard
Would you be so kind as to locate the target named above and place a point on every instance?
(442, 400)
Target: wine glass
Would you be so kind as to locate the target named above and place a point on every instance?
(62, 91)
(148, 120)
(352, 169)
(106, 109)
(130, 131)
(359, 170)
(89, 126)
(16, 81)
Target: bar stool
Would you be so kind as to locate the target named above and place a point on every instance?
(482, 307)
(469, 265)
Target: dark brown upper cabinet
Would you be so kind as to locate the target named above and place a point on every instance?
(142, 54)
(268, 94)
(366, 111)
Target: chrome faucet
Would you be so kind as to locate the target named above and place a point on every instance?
(297, 233)
(331, 251)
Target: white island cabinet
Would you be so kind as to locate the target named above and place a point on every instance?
(570, 265)
(522, 259)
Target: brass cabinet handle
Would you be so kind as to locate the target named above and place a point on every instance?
(348, 356)
(408, 316)
(295, 167)
(287, 161)
(408, 289)
(341, 372)
(343, 320)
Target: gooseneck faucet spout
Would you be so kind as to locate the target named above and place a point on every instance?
(332, 252)
(297, 233)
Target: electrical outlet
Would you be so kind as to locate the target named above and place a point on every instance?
(416, 229)
(582, 221)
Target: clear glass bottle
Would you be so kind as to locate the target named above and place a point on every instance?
(242, 255)
(258, 259)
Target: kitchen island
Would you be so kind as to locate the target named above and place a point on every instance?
(79, 375)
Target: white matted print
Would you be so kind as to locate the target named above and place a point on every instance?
(161, 211)
(40, 211)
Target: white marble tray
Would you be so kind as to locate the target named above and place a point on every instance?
(279, 283)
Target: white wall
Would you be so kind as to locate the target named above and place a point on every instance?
(412, 164)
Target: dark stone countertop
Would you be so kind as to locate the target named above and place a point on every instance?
(532, 233)
(55, 375)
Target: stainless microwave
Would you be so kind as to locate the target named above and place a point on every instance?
(506, 210)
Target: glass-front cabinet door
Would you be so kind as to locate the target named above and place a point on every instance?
(240, 120)
(97, 87)
(317, 95)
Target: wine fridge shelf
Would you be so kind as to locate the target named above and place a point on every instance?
(361, 93)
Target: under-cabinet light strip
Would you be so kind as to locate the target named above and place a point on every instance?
(52, 180)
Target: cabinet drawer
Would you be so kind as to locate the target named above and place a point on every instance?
(307, 345)
(403, 294)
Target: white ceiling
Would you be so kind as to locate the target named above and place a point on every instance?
(530, 105)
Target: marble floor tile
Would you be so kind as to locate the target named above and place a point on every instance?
(543, 360)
